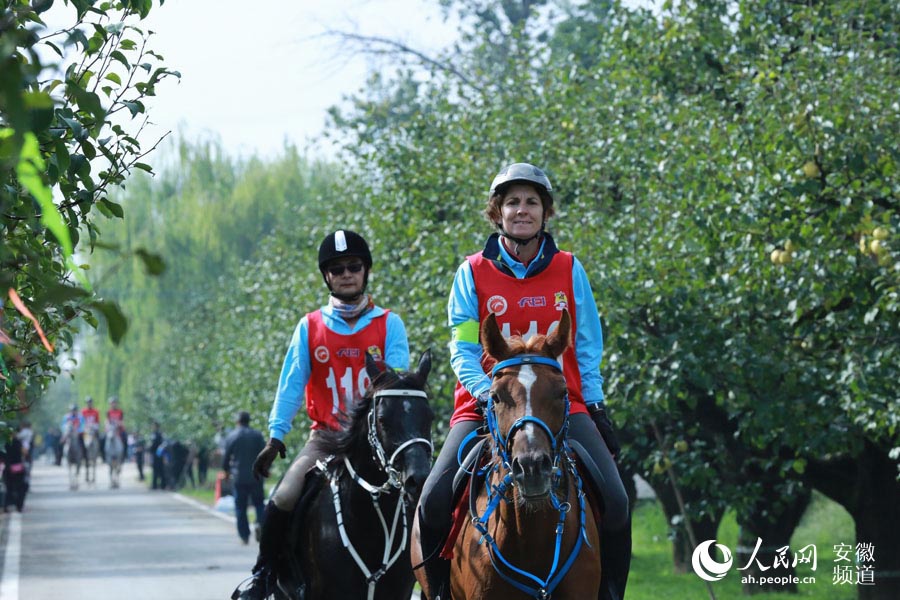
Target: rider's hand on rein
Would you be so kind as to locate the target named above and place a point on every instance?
(265, 458)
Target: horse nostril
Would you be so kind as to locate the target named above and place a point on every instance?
(518, 470)
(546, 465)
(413, 485)
(534, 467)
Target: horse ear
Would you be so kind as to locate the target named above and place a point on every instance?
(372, 368)
(493, 341)
(424, 367)
(559, 340)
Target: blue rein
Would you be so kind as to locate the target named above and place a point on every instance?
(542, 588)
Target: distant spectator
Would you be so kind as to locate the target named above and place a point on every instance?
(241, 448)
(15, 473)
(156, 452)
(26, 436)
(53, 445)
(182, 464)
(139, 449)
(202, 463)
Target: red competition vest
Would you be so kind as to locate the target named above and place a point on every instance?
(117, 416)
(91, 416)
(524, 307)
(338, 367)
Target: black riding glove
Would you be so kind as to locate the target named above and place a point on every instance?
(265, 458)
(601, 420)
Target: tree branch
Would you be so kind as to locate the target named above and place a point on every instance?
(394, 46)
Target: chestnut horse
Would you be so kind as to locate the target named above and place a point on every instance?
(530, 532)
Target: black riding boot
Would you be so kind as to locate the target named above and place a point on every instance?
(275, 523)
(437, 569)
(615, 562)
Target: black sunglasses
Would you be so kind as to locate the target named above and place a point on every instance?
(339, 269)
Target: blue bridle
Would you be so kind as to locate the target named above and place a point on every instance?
(542, 588)
(524, 359)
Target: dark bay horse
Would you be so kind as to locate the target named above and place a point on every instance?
(530, 531)
(353, 538)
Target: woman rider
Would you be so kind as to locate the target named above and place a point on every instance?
(525, 280)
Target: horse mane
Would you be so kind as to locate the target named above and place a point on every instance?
(354, 425)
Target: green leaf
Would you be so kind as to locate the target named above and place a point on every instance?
(58, 293)
(36, 100)
(153, 263)
(31, 165)
(134, 107)
(114, 209)
(117, 55)
(116, 322)
(114, 78)
(88, 101)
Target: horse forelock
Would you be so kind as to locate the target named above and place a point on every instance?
(355, 423)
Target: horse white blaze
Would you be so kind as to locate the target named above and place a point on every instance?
(527, 379)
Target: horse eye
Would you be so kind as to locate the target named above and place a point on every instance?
(501, 399)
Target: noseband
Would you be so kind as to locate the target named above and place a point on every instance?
(504, 442)
(388, 464)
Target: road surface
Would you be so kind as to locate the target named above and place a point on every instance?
(124, 544)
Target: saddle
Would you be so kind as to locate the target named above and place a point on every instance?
(468, 476)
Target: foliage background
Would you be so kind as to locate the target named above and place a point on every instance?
(727, 172)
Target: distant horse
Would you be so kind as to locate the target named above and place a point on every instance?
(91, 454)
(115, 453)
(74, 455)
(531, 532)
(353, 539)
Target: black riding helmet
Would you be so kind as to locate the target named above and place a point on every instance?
(340, 244)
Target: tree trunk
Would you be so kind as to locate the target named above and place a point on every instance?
(705, 528)
(774, 529)
(867, 487)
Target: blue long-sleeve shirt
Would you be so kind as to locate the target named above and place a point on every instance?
(462, 308)
(64, 425)
(295, 369)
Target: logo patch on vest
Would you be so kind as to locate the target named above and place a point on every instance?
(375, 353)
(497, 305)
(321, 354)
(560, 301)
(532, 301)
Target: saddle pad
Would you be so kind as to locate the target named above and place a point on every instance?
(461, 487)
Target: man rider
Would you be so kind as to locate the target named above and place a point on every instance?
(72, 421)
(115, 420)
(91, 418)
(325, 366)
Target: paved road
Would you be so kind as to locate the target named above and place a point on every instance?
(125, 544)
